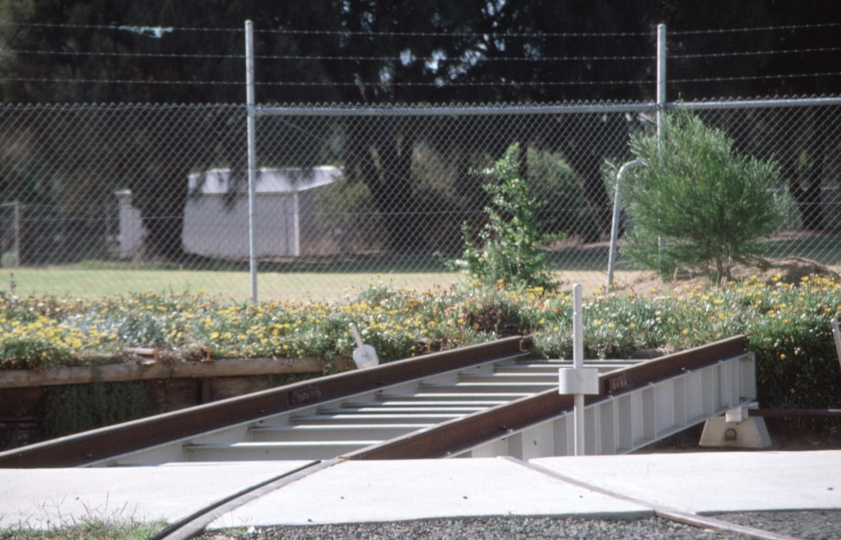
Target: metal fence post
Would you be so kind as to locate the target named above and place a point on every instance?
(661, 77)
(661, 107)
(252, 157)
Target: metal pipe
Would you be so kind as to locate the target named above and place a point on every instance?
(795, 413)
(252, 156)
(661, 76)
(837, 335)
(550, 109)
(578, 363)
(454, 111)
(754, 103)
(661, 112)
(614, 226)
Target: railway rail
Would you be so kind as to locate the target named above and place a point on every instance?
(481, 400)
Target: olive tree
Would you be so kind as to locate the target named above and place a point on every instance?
(698, 204)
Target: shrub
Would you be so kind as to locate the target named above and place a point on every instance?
(32, 353)
(510, 253)
(80, 407)
(709, 203)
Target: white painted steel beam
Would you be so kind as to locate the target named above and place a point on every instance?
(635, 419)
(617, 425)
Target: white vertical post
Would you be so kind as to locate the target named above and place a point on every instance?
(17, 233)
(836, 333)
(577, 364)
(252, 156)
(578, 380)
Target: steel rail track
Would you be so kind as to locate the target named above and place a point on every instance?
(96, 445)
(453, 436)
(432, 406)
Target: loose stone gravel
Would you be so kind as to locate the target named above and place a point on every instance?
(484, 529)
(813, 524)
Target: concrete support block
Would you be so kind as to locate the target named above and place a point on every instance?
(751, 432)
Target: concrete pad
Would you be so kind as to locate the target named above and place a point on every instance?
(716, 481)
(377, 491)
(47, 498)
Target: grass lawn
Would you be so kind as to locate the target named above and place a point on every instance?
(81, 283)
(94, 283)
(297, 281)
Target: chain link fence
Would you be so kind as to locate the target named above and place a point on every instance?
(104, 199)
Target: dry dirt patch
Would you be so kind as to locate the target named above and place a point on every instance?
(790, 270)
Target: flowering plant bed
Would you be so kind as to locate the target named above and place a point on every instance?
(786, 321)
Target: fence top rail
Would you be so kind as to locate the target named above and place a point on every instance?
(456, 110)
(486, 110)
(754, 103)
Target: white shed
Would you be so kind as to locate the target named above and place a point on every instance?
(284, 209)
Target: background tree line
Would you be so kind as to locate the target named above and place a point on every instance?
(428, 51)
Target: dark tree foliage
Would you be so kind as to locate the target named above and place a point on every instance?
(808, 27)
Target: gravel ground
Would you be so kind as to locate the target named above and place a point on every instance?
(817, 524)
(824, 525)
(484, 529)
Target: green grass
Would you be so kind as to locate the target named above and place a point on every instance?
(87, 530)
(327, 280)
(81, 283)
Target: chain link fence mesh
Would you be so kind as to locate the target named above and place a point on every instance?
(104, 199)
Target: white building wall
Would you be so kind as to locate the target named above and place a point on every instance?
(213, 229)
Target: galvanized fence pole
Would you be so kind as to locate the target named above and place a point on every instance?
(252, 157)
(661, 107)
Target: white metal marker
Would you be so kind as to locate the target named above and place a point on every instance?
(364, 356)
(578, 381)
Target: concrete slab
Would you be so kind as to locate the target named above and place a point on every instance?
(716, 481)
(378, 491)
(46, 498)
